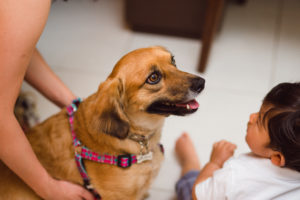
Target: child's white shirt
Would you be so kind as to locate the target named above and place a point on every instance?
(249, 177)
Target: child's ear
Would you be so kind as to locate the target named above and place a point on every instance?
(278, 159)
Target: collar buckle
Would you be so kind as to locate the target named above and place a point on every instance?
(124, 161)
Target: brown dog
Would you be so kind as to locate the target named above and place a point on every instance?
(125, 116)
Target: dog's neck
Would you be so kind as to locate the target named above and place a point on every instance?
(142, 134)
(144, 122)
(142, 141)
(144, 127)
(146, 138)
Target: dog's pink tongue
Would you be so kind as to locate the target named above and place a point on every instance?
(193, 104)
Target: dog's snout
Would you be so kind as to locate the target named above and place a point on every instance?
(197, 84)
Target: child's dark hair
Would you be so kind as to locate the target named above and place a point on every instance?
(284, 122)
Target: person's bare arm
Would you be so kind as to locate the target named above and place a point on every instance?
(221, 152)
(21, 24)
(19, 32)
(41, 77)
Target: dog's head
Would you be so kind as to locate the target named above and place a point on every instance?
(144, 87)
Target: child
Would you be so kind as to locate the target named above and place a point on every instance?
(270, 171)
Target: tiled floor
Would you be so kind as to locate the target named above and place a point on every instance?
(258, 47)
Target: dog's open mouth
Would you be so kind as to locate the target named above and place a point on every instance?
(179, 108)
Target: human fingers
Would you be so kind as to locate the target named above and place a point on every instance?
(86, 195)
(224, 145)
(231, 146)
(78, 192)
(228, 148)
(222, 151)
(70, 191)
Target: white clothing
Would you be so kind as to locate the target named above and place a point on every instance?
(249, 177)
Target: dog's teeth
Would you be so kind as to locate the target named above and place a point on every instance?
(187, 106)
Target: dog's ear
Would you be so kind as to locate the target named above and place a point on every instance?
(110, 101)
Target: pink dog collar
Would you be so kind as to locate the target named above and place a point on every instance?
(82, 152)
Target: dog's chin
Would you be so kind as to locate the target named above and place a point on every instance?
(173, 108)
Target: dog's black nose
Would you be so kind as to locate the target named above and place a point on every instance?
(197, 84)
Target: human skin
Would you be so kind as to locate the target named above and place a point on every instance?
(21, 24)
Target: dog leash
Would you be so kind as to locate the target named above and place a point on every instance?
(82, 152)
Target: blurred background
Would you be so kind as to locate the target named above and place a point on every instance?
(242, 49)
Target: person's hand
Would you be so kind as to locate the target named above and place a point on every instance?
(63, 190)
(221, 152)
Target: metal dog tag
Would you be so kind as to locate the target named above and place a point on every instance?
(144, 157)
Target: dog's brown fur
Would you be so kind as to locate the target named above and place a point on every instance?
(102, 123)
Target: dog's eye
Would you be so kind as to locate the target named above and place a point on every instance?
(154, 78)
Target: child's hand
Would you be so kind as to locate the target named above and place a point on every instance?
(221, 152)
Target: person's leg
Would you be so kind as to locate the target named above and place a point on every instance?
(186, 154)
(190, 166)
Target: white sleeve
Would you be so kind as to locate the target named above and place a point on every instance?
(215, 187)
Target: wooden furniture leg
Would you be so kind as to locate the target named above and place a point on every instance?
(213, 15)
